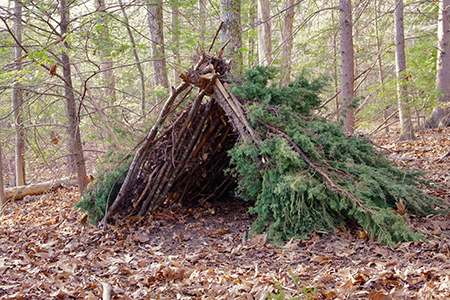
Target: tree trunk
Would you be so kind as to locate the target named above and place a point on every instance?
(380, 64)
(347, 66)
(441, 114)
(2, 187)
(71, 107)
(400, 62)
(335, 70)
(107, 64)
(17, 99)
(230, 11)
(252, 43)
(101, 115)
(264, 33)
(287, 39)
(176, 42)
(202, 20)
(155, 23)
(136, 57)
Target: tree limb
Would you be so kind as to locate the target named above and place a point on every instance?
(327, 179)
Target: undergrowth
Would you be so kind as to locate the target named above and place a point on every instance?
(108, 180)
(293, 199)
(305, 292)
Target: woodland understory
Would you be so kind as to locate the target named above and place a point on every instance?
(50, 251)
(225, 149)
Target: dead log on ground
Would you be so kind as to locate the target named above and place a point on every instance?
(39, 188)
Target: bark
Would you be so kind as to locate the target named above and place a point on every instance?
(335, 71)
(2, 188)
(136, 57)
(286, 36)
(264, 33)
(37, 189)
(252, 54)
(441, 114)
(17, 99)
(230, 11)
(71, 107)
(380, 64)
(347, 66)
(107, 64)
(176, 41)
(155, 23)
(400, 62)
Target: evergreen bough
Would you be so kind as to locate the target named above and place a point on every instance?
(104, 189)
(294, 198)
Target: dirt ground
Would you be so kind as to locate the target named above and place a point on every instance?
(49, 251)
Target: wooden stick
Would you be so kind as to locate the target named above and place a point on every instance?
(142, 151)
(215, 36)
(107, 290)
(385, 121)
(2, 188)
(146, 188)
(181, 164)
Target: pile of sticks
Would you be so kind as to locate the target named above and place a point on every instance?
(185, 160)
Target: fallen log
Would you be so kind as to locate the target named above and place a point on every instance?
(39, 188)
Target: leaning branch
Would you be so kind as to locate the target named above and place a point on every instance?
(330, 183)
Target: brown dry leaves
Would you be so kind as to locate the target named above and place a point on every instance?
(49, 251)
(423, 154)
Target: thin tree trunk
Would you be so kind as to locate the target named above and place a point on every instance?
(107, 64)
(176, 41)
(2, 187)
(101, 115)
(264, 33)
(380, 64)
(230, 11)
(441, 114)
(252, 43)
(287, 39)
(136, 57)
(202, 20)
(155, 23)
(347, 66)
(400, 59)
(17, 99)
(71, 107)
(335, 70)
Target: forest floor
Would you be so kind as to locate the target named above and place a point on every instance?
(49, 251)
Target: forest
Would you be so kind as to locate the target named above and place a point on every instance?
(232, 149)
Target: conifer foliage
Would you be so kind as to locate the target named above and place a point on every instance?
(306, 175)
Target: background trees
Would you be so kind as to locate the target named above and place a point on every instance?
(120, 71)
(347, 66)
(400, 63)
(441, 113)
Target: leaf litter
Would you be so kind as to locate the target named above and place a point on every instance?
(50, 251)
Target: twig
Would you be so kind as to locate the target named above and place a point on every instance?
(384, 122)
(445, 156)
(215, 37)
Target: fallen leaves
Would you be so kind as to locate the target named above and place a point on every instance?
(48, 250)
